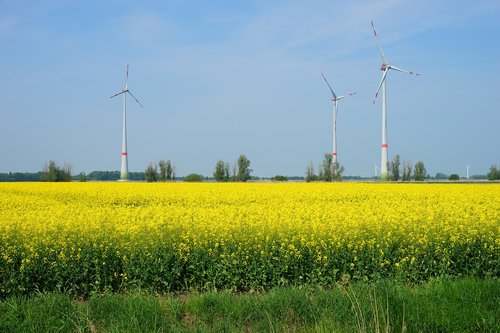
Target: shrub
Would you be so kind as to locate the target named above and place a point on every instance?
(494, 173)
(454, 176)
(193, 177)
(53, 173)
(151, 173)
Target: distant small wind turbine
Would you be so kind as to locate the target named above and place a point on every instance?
(124, 166)
(376, 168)
(335, 100)
(467, 167)
(384, 175)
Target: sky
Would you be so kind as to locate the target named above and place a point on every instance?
(227, 77)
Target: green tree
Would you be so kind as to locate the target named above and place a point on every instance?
(244, 170)
(310, 175)
(440, 175)
(326, 168)
(407, 168)
(53, 173)
(83, 177)
(49, 172)
(454, 176)
(170, 173)
(174, 172)
(494, 173)
(220, 171)
(163, 171)
(227, 171)
(320, 173)
(394, 168)
(337, 171)
(279, 178)
(193, 177)
(419, 172)
(151, 173)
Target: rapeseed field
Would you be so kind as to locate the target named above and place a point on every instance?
(82, 238)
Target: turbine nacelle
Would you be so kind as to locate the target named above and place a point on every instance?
(385, 65)
(125, 90)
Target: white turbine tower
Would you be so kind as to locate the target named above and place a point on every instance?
(385, 68)
(335, 100)
(467, 167)
(124, 166)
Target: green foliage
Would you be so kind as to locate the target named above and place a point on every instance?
(112, 175)
(337, 171)
(407, 169)
(393, 168)
(193, 177)
(227, 171)
(494, 173)
(53, 173)
(420, 172)
(239, 171)
(454, 176)
(20, 177)
(163, 171)
(384, 306)
(220, 174)
(151, 173)
(279, 178)
(82, 177)
(170, 170)
(440, 175)
(329, 170)
(326, 173)
(244, 170)
(310, 175)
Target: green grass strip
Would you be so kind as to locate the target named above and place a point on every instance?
(443, 305)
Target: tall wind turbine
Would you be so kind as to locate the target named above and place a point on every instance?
(467, 167)
(125, 90)
(335, 100)
(385, 68)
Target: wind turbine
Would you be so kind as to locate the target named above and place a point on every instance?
(467, 167)
(384, 175)
(124, 166)
(335, 100)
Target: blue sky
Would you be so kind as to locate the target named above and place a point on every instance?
(223, 78)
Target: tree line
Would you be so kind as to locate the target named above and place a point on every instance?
(164, 171)
(239, 171)
(328, 170)
(406, 172)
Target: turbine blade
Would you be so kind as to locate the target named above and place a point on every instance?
(384, 61)
(380, 85)
(126, 79)
(344, 96)
(122, 92)
(404, 71)
(135, 98)
(333, 94)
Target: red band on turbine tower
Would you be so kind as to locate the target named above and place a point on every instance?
(334, 154)
(384, 145)
(124, 153)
